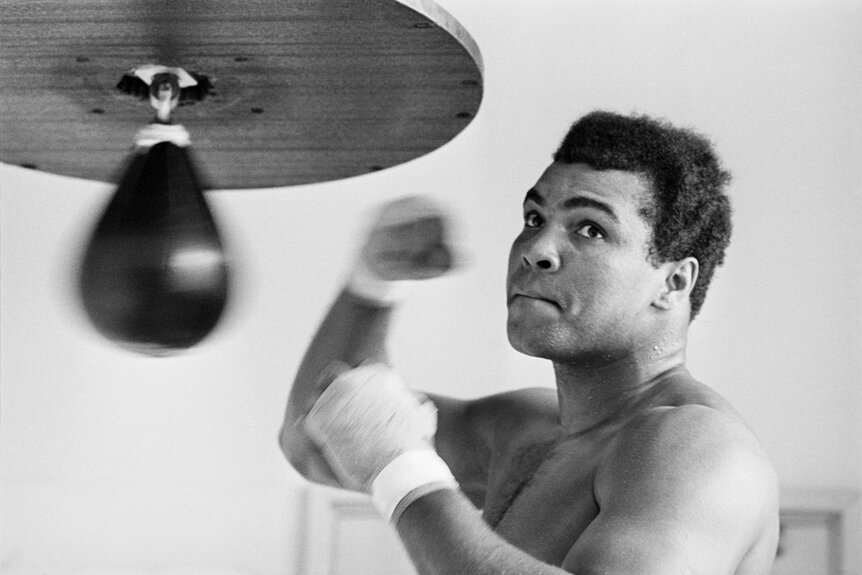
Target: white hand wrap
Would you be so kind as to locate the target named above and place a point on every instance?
(407, 478)
(377, 438)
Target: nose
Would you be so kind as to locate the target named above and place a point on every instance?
(541, 255)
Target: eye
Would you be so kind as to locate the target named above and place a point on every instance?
(532, 219)
(591, 231)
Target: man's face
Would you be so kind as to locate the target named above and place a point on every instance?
(579, 284)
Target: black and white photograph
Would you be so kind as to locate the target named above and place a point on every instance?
(430, 287)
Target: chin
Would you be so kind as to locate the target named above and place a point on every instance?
(536, 342)
(517, 342)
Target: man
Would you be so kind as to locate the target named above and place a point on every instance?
(631, 466)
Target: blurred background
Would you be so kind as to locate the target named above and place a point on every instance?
(111, 462)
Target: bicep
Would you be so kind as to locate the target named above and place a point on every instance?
(473, 434)
(647, 546)
(463, 441)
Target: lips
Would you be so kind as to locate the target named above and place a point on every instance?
(533, 295)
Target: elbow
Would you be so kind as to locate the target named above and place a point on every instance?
(283, 443)
(291, 436)
(295, 448)
(304, 456)
(288, 444)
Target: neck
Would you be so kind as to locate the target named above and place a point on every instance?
(591, 393)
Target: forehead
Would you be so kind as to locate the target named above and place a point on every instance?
(624, 191)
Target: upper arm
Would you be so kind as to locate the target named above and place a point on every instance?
(687, 491)
(470, 433)
(463, 441)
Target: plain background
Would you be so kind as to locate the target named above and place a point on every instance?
(116, 463)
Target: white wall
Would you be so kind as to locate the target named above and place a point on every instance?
(115, 463)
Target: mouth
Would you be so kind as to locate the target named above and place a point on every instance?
(528, 296)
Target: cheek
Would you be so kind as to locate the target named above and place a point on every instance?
(627, 289)
(515, 251)
(514, 262)
(607, 296)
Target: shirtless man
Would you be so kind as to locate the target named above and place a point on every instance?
(630, 466)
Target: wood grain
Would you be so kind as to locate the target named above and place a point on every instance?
(304, 91)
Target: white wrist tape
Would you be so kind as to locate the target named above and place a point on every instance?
(406, 478)
(365, 284)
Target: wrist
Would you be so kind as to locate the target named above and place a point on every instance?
(411, 475)
(366, 285)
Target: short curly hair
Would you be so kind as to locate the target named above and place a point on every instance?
(690, 211)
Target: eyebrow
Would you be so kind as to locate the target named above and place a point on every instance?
(574, 202)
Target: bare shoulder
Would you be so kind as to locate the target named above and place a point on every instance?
(693, 439)
(686, 411)
(689, 456)
(690, 431)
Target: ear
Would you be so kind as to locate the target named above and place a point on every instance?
(679, 280)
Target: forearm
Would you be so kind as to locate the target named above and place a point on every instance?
(406, 242)
(353, 331)
(445, 535)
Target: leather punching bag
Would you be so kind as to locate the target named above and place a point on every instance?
(155, 277)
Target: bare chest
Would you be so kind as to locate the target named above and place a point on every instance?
(540, 499)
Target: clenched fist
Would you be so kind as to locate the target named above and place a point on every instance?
(408, 240)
